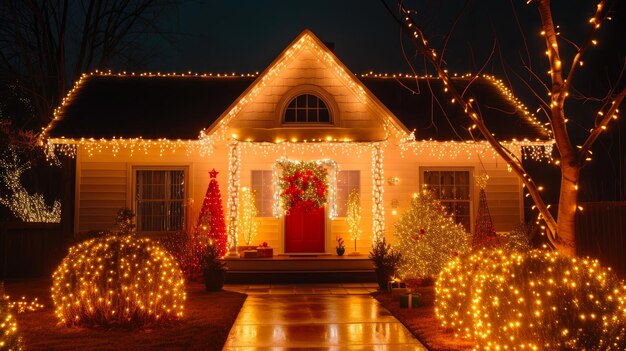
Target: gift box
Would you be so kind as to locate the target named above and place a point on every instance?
(396, 292)
(265, 252)
(395, 284)
(250, 254)
(410, 300)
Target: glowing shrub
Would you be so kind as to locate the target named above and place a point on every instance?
(9, 336)
(454, 302)
(118, 280)
(536, 300)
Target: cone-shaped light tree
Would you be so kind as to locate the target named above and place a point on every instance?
(484, 233)
(211, 218)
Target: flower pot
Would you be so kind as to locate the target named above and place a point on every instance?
(214, 279)
(382, 277)
(341, 251)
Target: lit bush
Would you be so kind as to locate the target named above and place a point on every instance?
(454, 300)
(535, 300)
(9, 336)
(118, 280)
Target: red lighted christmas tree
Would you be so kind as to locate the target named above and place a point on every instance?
(211, 219)
(484, 232)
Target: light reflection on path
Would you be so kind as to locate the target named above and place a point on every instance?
(325, 322)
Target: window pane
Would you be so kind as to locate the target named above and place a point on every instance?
(307, 108)
(324, 116)
(160, 196)
(346, 182)
(301, 101)
(454, 188)
(301, 115)
(312, 101)
(261, 185)
(290, 115)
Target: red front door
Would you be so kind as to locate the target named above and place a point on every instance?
(304, 231)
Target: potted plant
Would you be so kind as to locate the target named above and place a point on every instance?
(385, 261)
(340, 248)
(214, 270)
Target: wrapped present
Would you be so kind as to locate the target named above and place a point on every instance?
(395, 284)
(265, 252)
(250, 254)
(410, 300)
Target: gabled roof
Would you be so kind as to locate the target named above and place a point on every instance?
(423, 106)
(151, 107)
(155, 106)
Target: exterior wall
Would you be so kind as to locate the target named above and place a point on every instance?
(105, 184)
(261, 120)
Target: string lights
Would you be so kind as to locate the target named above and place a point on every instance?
(118, 280)
(538, 300)
(234, 176)
(24, 206)
(378, 206)
(427, 237)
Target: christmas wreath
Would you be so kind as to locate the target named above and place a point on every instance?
(303, 185)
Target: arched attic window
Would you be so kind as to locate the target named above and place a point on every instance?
(307, 108)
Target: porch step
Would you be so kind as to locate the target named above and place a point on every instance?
(300, 269)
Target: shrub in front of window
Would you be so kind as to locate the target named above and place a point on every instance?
(118, 280)
(427, 238)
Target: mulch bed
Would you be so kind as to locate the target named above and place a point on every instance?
(205, 326)
(421, 321)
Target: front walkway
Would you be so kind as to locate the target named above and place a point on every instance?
(317, 319)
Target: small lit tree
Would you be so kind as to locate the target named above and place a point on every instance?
(211, 219)
(353, 216)
(248, 225)
(427, 238)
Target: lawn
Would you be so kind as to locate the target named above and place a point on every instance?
(421, 321)
(205, 326)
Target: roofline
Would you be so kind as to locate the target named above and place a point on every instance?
(279, 57)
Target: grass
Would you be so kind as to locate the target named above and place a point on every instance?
(205, 326)
(421, 321)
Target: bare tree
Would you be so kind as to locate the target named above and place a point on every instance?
(45, 45)
(559, 87)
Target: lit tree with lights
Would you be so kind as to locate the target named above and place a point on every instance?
(555, 100)
(211, 219)
(248, 225)
(353, 216)
(427, 237)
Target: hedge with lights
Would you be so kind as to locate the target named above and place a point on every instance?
(427, 238)
(9, 335)
(453, 288)
(118, 280)
(537, 300)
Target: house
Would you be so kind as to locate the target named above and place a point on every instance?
(148, 141)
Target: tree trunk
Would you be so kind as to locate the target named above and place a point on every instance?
(568, 205)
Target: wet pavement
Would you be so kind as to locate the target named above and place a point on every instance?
(317, 321)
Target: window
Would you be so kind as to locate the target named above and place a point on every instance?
(160, 200)
(346, 182)
(261, 185)
(307, 108)
(452, 188)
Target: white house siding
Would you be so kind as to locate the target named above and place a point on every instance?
(104, 184)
